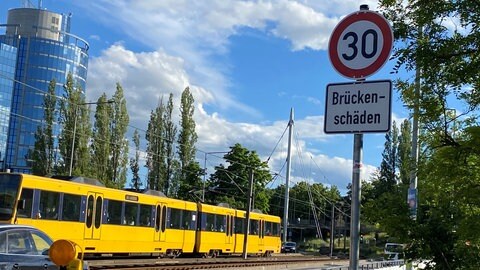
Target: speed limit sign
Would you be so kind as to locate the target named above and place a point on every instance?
(360, 44)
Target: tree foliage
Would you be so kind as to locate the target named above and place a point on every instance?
(187, 136)
(74, 118)
(136, 182)
(44, 154)
(169, 138)
(155, 149)
(189, 179)
(119, 144)
(383, 200)
(230, 183)
(101, 147)
(445, 58)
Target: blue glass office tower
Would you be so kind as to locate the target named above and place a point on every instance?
(44, 49)
(8, 62)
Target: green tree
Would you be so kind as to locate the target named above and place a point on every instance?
(134, 166)
(100, 147)
(155, 149)
(404, 152)
(44, 152)
(192, 184)
(119, 144)
(446, 61)
(277, 200)
(447, 220)
(187, 136)
(230, 184)
(74, 118)
(383, 200)
(386, 178)
(190, 170)
(169, 140)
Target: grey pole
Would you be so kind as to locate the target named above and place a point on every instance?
(412, 191)
(204, 177)
(247, 218)
(287, 181)
(356, 187)
(356, 191)
(332, 230)
(73, 140)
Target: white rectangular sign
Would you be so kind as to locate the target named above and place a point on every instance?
(358, 107)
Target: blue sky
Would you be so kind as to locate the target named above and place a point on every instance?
(247, 63)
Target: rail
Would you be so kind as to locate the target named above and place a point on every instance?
(218, 263)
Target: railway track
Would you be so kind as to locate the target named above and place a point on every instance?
(217, 263)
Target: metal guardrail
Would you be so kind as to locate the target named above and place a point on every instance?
(369, 265)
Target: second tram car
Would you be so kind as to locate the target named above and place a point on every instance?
(110, 221)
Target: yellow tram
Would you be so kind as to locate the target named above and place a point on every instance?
(119, 222)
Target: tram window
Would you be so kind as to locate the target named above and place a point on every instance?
(145, 215)
(174, 219)
(49, 204)
(254, 227)
(98, 211)
(268, 228)
(239, 225)
(71, 207)
(220, 222)
(130, 217)
(27, 196)
(164, 214)
(276, 229)
(114, 212)
(208, 222)
(188, 220)
(157, 218)
(89, 218)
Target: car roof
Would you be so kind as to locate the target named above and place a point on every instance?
(5, 227)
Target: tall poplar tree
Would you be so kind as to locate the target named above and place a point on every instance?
(190, 171)
(187, 136)
(119, 144)
(44, 152)
(74, 119)
(169, 140)
(134, 166)
(101, 146)
(389, 162)
(155, 149)
(404, 152)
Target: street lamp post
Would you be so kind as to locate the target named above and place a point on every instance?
(75, 129)
(205, 168)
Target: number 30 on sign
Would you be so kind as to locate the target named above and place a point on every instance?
(360, 44)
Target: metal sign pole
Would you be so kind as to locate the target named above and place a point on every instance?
(356, 187)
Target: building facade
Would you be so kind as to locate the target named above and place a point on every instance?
(44, 49)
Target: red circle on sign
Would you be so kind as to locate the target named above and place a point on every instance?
(386, 33)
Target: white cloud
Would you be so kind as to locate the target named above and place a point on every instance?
(94, 37)
(183, 37)
(198, 30)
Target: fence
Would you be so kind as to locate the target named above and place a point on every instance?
(390, 265)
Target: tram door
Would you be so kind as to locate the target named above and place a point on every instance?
(261, 232)
(160, 221)
(229, 229)
(93, 215)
